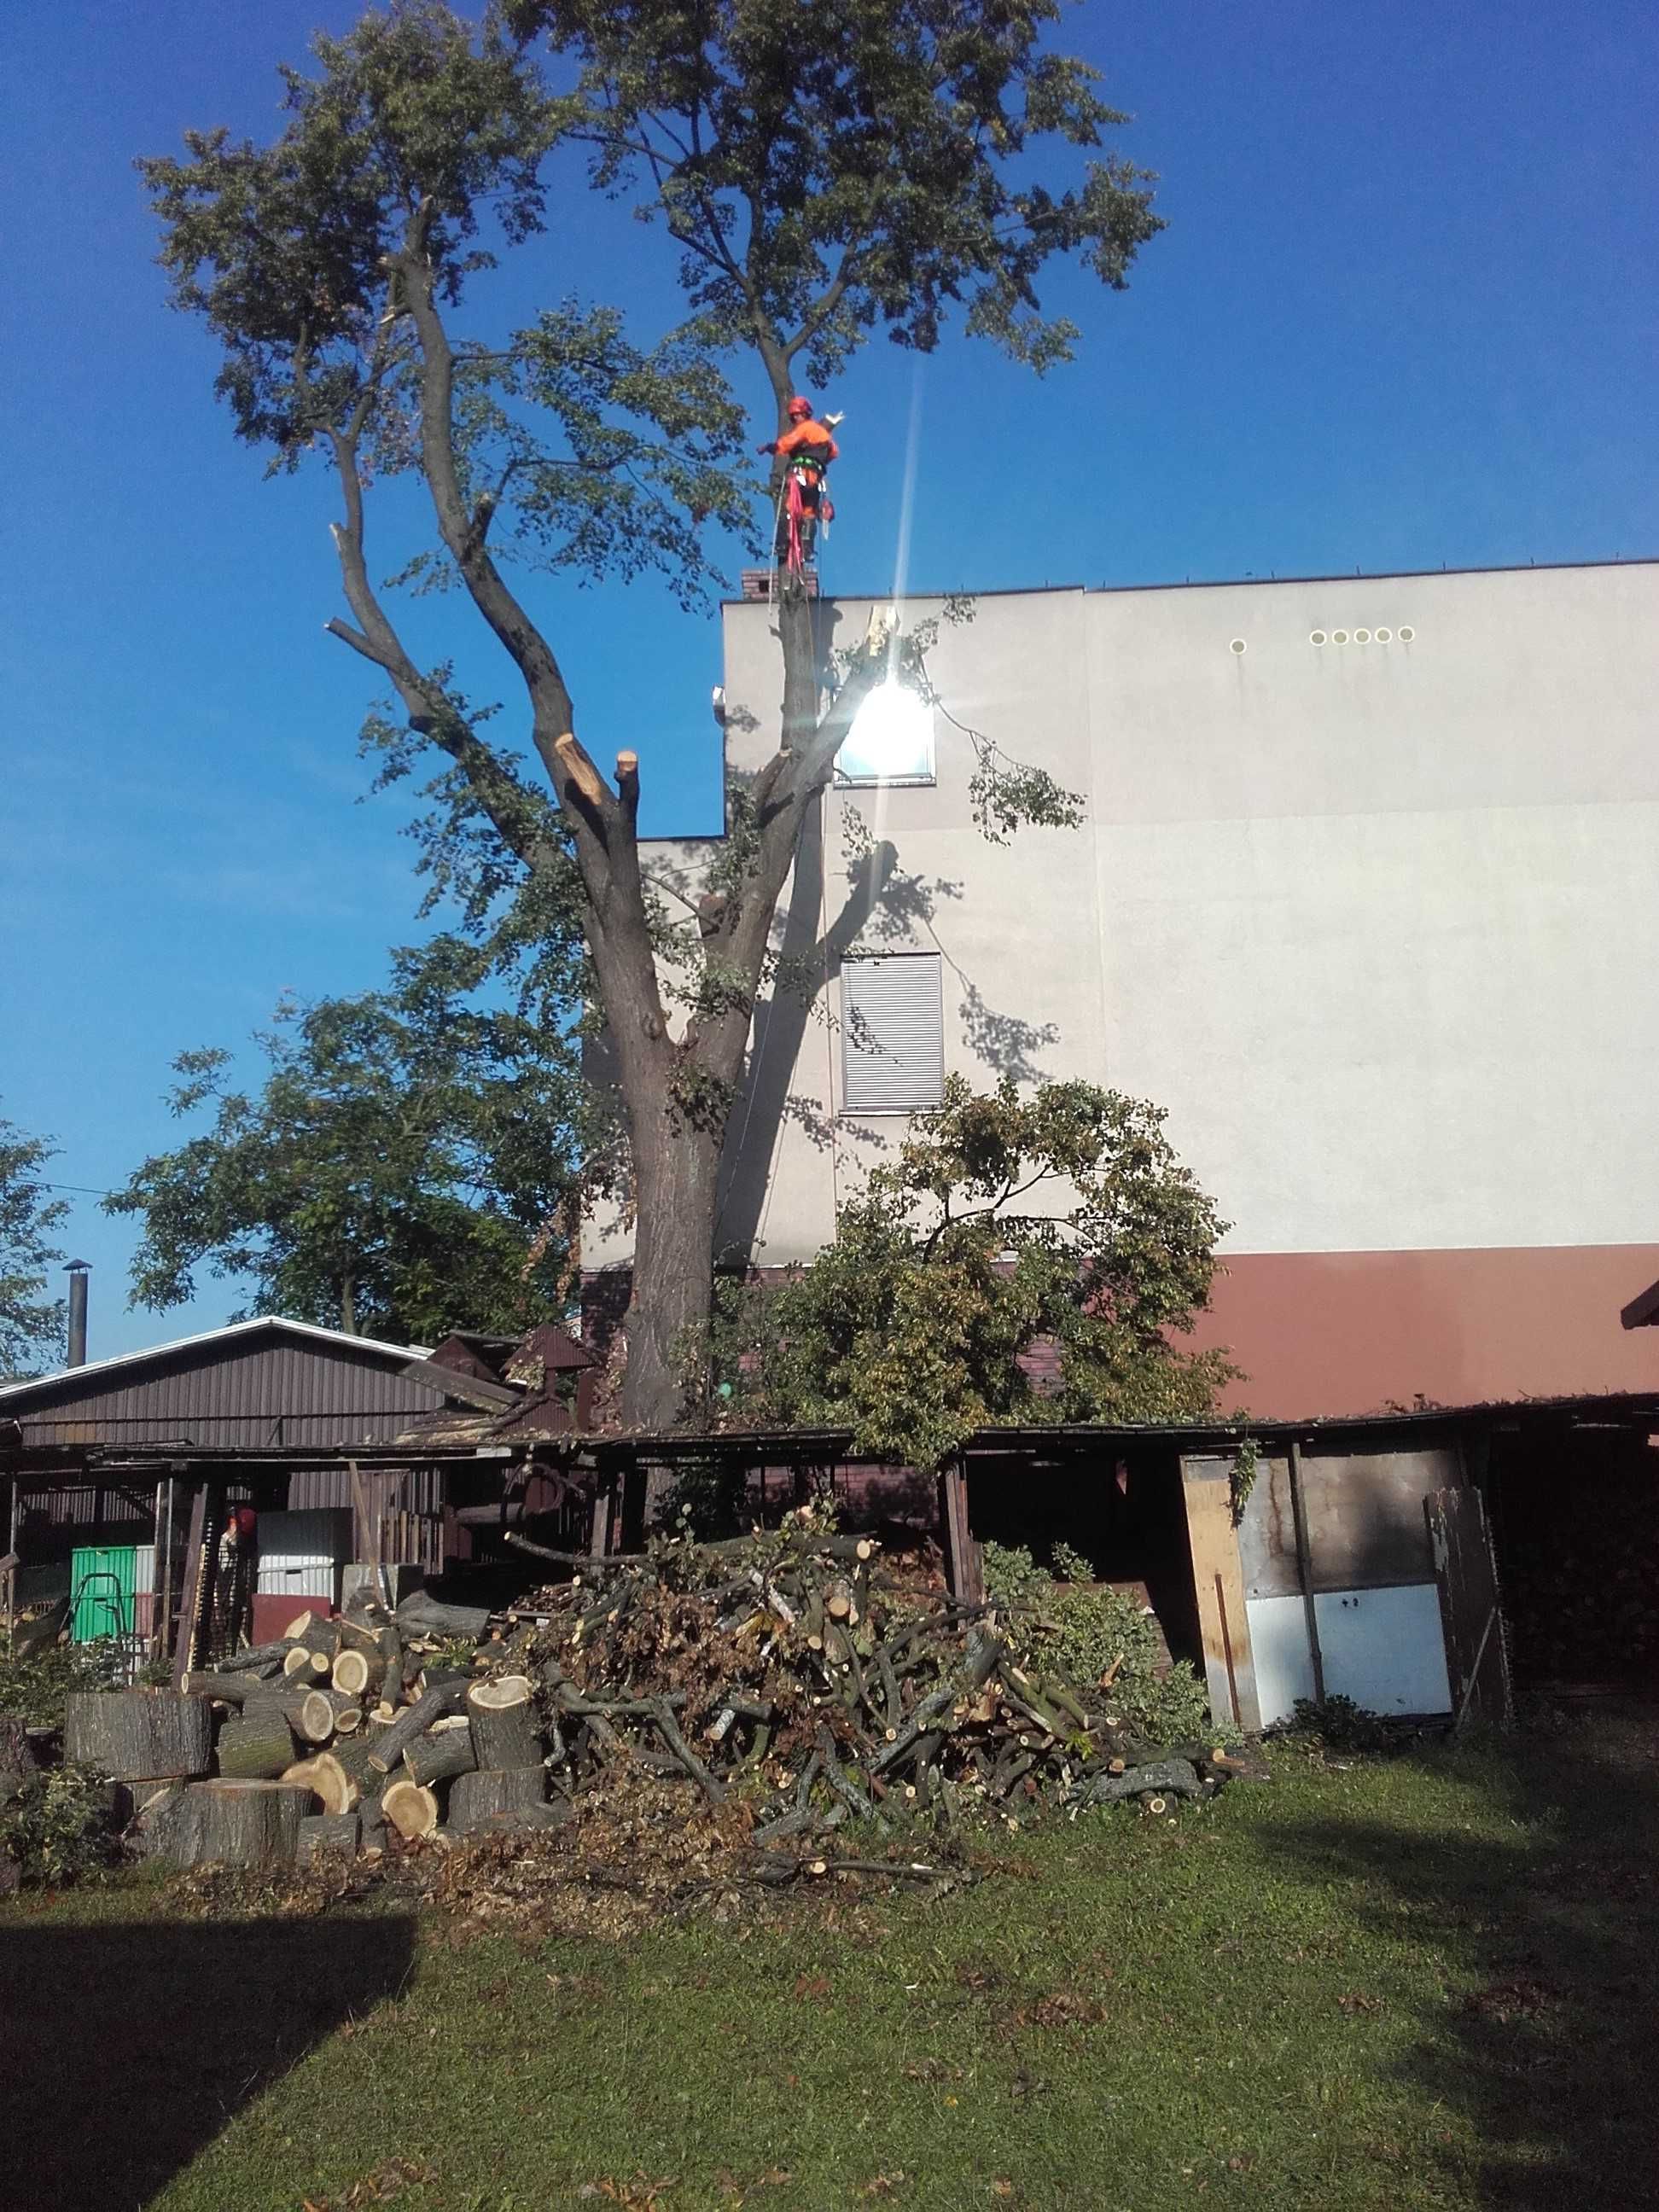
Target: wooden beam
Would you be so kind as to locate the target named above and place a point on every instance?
(1304, 1570)
(1219, 1586)
(963, 1564)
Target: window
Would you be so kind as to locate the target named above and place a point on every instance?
(892, 739)
(892, 1036)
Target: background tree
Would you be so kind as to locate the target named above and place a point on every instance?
(865, 168)
(33, 1326)
(407, 1168)
(919, 1324)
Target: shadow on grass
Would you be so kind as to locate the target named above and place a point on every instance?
(126, 2046)
(1547, 1927)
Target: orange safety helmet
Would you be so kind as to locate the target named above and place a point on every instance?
(800, 408)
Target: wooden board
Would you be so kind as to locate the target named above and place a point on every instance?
(1218, 1585)
(1471, 1617)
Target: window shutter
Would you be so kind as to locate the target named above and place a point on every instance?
(892, 1034)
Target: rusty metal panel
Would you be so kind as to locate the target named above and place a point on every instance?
(1364, 1513)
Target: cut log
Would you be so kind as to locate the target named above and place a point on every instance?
(504, 1724)
(227, 1689)
(255, 1750)
(440, 1755)
(138, 1735)
(421, 1615)
(1170, 1777)
(417, 1721)
(230, 1823)
(296, 1661)
(30, 1636)
(307, 1712)
(328, 1835)
(296, 1631)
(516, 1796)
(356, 1672)
(325, 1776)
(347, 1718)
(410, 1810)
(254, 1660)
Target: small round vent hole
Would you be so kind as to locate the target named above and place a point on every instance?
(1406, 634)
(1238, 644)
(1316, 637)
(1339, 637)
(1362, 637)
(1383, 637)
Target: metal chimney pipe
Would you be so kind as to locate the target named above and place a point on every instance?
(76, 1272)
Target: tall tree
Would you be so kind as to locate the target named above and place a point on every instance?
(1032, 1259)
(32, 1324)
(406, 1169)
(866, 168)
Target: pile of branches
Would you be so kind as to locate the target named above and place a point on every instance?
(791, 1675)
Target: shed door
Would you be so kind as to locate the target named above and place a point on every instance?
(1466, 1574)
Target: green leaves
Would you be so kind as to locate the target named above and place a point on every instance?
(407, 1166)
(864, 164)
(32, 1325)
(1024, 1259)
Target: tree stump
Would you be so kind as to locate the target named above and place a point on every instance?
(440, 1757)
(257, 1750)
(504, 1726)
(498, 1798)
(135, 1735)
(328, 1835)
(228, 1823)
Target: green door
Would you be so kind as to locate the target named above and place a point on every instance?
(102, 1578)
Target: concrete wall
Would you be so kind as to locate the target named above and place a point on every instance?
(1369, 919)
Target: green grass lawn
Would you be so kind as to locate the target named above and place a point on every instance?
(1425, 1981)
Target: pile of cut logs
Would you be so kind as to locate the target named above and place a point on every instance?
(320, 1741)
(783, 1679)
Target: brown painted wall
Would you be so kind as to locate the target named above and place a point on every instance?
(1334, 1333)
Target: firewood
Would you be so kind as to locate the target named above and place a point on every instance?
(254, 1660)
(325, 1776)
(415, 1721)
(229, 1823)
(296, 1661)
(440, 1755)
(504, 1720)
(421, 1615)
(500, 1798)
(227, 1689)
(350, 1672)
(412, 1810)
(255, 1750)
(296, 1631)
(328, 1835)
(138, 1735)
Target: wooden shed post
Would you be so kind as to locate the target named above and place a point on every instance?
(1218, 1585)
(964, 1566)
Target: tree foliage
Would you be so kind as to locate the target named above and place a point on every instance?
(406, 1168)
(32, 1323)
(1019, 1260)
(870, 167)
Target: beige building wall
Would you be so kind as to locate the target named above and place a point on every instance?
(1370, 918)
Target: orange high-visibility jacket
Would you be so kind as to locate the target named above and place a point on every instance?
(804, 435)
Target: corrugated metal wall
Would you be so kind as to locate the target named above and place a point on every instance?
(258, 1391)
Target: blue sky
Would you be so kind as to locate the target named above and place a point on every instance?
(1404, 315)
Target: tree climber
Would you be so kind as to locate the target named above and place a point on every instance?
(805, 450)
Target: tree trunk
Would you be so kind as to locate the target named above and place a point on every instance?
(328, 1835)
(240, 1824)
(255, 1750)
(677, 1183)
(505, 1733)
(135, 1735)
(327, 1779)
(484, 1803)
